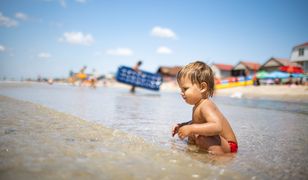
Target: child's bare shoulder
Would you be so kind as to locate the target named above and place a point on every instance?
(210, 111)
(208, 106)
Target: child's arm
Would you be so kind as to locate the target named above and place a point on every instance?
(213, 125)
(176, 128)
(185, 123)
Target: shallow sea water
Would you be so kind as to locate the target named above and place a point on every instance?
(272, 135)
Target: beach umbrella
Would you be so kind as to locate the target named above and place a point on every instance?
(291, 69)
(278, 74)
(298, 75)
(262, 74)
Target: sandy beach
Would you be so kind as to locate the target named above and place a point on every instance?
(272, 92)
(40, 143)
(279, 92)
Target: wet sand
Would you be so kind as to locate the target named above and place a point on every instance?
(40, 143)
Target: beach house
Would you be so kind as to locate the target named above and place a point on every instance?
(169, 73)
(299, 54)
(245, 68)
(221, 71)
(273, 64)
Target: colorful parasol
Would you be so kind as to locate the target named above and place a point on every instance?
(278, 74)
(262, 74)
(291, 69)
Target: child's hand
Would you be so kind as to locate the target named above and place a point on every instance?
(184, 132)
(175, 129)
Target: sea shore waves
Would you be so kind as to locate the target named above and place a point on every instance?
(40, 143)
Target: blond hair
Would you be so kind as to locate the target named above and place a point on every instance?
(198, 72)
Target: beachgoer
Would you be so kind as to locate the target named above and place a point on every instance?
(208, 129)
(135, 68)
(93, 78)
(290, 80)
(82, 76)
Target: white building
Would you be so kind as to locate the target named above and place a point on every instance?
(299, 54)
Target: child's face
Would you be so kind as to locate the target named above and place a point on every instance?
(191, 93)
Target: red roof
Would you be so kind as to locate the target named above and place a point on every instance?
(225, 67)
(251, 65)
(302, 45)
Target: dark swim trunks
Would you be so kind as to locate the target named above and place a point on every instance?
(233, 146)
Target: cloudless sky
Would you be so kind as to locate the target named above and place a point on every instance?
(51, 37)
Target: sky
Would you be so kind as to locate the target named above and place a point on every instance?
(49, 38)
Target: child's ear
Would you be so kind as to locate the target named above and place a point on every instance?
(203, 86)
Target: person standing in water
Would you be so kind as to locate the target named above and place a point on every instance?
(135, 68)
(82, 76)
(93, 78)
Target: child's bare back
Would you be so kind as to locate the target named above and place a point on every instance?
(209, 115)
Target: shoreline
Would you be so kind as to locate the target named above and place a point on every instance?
(40, 143)
(284, 93)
